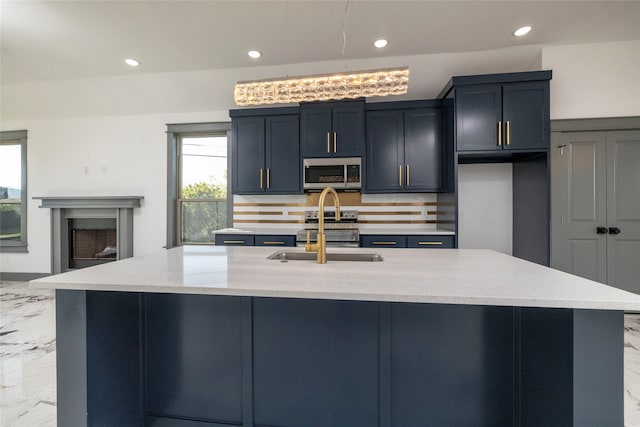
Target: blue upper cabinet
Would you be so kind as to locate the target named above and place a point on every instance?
(508, 116)
(423, 151)
(283, 155)
(332, 129)
(385, 151)
(266, 155)
(404, 151)
(248, 155)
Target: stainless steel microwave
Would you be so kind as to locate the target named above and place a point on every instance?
(340, 173)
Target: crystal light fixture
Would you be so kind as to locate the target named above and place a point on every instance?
(349, 85)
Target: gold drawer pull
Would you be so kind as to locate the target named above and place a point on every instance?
(328, 142)
(233, 242)
(273, 243)
(335, 142)
(508, 132)
(500, 132)
(385, 243)
(430, 243)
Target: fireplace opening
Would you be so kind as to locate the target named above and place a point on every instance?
(92, 241)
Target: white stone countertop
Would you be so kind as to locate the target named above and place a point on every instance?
(443, 276)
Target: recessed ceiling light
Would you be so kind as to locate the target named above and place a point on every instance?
(522, 31)
(380, 43)
(254, 54)
(132, 62)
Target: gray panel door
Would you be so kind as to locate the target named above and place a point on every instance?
(623, 209)
(584, 251)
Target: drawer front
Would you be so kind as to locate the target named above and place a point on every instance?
(383, 241)
(234, 239)
(275, 240)
(430, 242)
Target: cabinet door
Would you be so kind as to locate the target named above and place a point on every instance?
(423, 150)
(478, 117)
(525, 115)
(248, 155)
(383, 241)
(384, 159)
(348, 130)
(316, 139)
(283, 155)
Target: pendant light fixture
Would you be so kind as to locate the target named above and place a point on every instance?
(348, 85)
(323, 87)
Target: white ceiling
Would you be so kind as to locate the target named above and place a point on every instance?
(68, 40)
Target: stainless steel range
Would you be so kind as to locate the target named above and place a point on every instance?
(338, 233)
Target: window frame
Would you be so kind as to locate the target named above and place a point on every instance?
(175, 132)
(10, 138)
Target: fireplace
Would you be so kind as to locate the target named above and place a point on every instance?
(87, 231)
(92, 241)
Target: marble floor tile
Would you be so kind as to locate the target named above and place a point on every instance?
(27, 359)
(27, 356)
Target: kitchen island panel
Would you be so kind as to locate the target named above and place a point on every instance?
(315, 363)
(452, 365)
(193, 357)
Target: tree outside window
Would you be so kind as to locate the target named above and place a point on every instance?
(202, 199)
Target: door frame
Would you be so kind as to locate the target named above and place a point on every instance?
(574, 125)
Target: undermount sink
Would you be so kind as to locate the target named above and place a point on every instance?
(284, 256)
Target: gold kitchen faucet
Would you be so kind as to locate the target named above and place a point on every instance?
(321, 245)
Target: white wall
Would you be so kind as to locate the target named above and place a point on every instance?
(594, 80)
(116, 156)
(485, 213)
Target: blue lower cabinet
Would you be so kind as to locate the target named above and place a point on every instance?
(430, 242)
(412, 241)
(274, 240)
(234, 239)
(383, 241)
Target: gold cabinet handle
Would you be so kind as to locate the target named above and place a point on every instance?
(408, 176)
(508, 132)
(273, 243)
(500, 132)
(268, 178)
(260, 177)
(430, 243)
(328, 142)
(233, 242)
(384, 243)
(400, 175)
(335, 142)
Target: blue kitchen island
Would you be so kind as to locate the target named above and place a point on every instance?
(224, 336)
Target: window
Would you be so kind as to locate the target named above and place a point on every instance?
(198, 184)
(13, 191)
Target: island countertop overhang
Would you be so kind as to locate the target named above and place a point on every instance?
(443, 276)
